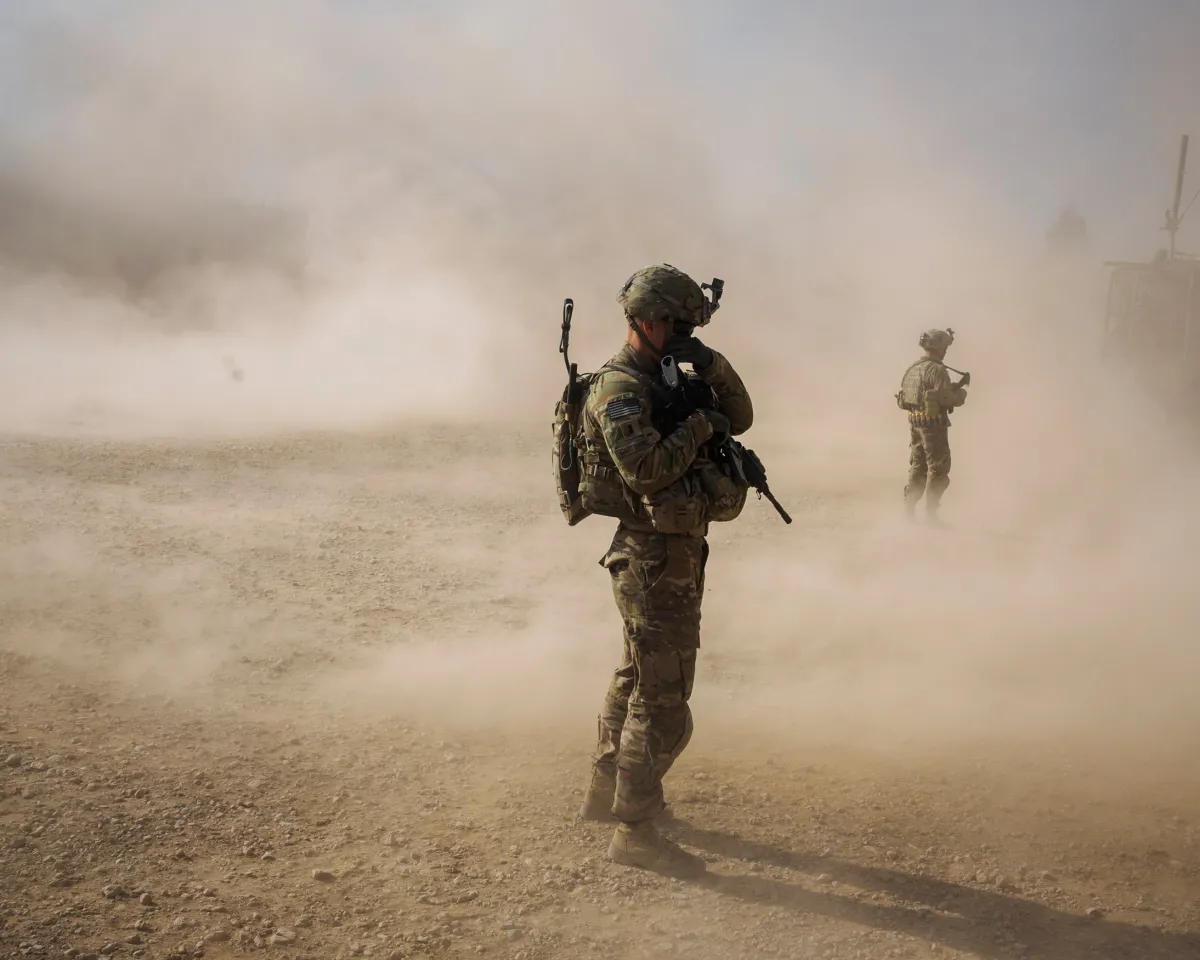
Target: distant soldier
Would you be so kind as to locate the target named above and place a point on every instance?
(929, 396)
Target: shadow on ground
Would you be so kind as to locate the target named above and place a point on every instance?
(977, 922)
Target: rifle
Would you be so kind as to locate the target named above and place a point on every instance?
(964, 378)
(688, 393)
(756, 475)
(564, 340)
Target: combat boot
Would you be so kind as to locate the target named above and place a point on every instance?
(598, 801)
(641, 845)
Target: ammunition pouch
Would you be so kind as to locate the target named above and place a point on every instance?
(726, 494)
(917, 418)
(707, 493)
(679, 507)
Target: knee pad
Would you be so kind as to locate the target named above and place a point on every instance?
(685, 735)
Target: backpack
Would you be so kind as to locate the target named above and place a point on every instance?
(568, 440)
(602, 493)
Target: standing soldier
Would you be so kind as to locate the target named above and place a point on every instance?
(929, 396)
(654, 476)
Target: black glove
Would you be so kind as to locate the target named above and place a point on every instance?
(687, 349)
(720, 423)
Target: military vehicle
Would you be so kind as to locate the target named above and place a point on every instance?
(1152, 319)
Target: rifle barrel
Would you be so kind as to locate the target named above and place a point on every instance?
(777, 505)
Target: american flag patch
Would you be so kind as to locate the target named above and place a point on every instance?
(623, 409)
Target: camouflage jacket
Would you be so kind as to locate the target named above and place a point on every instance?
(620, 432)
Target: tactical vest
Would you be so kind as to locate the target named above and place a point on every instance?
(912, 389)
(923, 410)
(589, 482)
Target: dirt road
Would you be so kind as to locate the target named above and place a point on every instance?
(334, 696)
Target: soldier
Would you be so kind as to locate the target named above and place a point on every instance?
(929, 396)
(657, 558)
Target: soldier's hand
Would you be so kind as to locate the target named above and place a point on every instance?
(965, 381)
(689, 350)
(720, 423)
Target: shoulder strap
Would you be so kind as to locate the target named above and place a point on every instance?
(940, 363)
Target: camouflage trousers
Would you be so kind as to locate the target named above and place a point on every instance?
(928, 464)
(658, 584)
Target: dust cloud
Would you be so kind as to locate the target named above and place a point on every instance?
(345, 216)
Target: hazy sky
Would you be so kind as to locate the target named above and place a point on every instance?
(857, 170)
(1041, 102)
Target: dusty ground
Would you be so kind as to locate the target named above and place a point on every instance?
(329, 697)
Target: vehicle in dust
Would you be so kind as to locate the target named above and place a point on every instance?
(1152, 317)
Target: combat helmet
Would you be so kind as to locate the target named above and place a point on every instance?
(664, 292)
(936, 339)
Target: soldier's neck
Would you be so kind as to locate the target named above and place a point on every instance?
(639, 358)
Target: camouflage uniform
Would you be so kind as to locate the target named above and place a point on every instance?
(929, 396)
(654, 476)
(657, 578)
